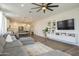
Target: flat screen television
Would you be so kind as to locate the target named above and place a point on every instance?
(66, 24)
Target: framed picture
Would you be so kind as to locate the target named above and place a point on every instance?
(20, 28)
(54, 24)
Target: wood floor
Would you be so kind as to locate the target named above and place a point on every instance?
(71, 49)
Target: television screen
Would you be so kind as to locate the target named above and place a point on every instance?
(66, 24)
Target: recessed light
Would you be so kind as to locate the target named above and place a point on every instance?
(22, 5)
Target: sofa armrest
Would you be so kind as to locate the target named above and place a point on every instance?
(13, 44)
(17, 51)
(4, 54)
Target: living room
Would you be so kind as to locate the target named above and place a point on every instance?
(41, 31)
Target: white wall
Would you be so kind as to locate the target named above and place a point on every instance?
(74, 13)
(0, 22)
(41, 24)
(3, 24)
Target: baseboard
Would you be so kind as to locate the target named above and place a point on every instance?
(39, 36)
(55, 40)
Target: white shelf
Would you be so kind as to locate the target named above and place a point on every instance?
(63, 38)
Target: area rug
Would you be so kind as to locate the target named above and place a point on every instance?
(39, 49)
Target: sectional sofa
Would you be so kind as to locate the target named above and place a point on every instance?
(19, 48)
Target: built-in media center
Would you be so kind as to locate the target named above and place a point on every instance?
(65, 32)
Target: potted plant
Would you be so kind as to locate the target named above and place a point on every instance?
(45, 32)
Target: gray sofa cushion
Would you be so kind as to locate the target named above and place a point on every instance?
(5, 35)
(27, 40)
(17, 51)
(13, 44)
(4, 54)
(2, 41)
(1, 49)
(13, 37)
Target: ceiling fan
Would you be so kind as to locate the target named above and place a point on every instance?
(44, 6)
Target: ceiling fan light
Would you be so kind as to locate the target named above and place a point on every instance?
(43, 8)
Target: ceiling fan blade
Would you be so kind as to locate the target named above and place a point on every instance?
(35, 8)
(38, 10)
(42, 4)
(50, 9)
(36, 4)
(54, 6)
(49, 3)
(44, 11)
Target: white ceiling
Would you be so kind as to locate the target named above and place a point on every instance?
(16, 12)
